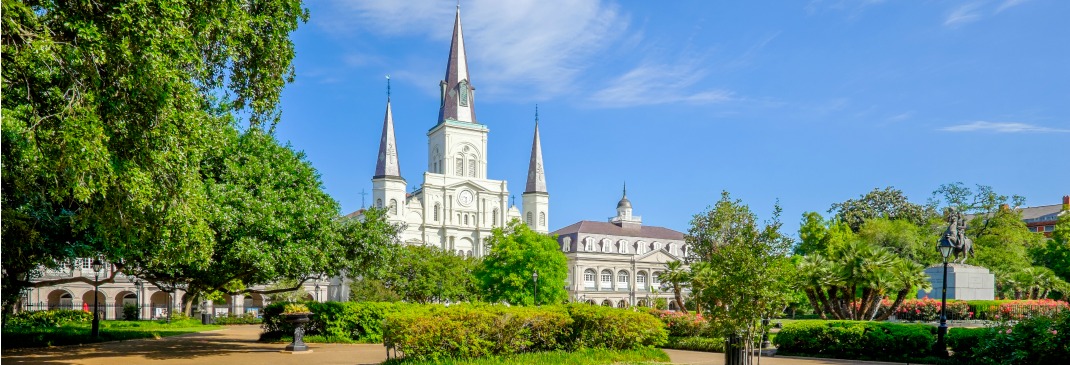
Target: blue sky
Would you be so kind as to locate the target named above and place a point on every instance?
(805, 102)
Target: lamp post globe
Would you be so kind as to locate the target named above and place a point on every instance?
(945, 249)
(97, 266)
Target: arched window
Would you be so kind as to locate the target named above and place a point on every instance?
(607, 280)
(460, 167)
(622, 279)
(607, 246)
(542, 219)
(657, 246)
(566, 244)
(494, 219)
(472, 167)
(672, 248)
(655, 279)
(466, 219)
(530, 222)
(622, 304)
(437, 208)
(640, 280)
(588, 244)
(394, 206)
(588, 278)
(622, 246)
(641, 247)
(469, 253)
(378, 203)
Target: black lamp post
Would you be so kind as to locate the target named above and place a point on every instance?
(945, 248)
(535, 278)
(138, 287)
(317, 291)
(97, 265)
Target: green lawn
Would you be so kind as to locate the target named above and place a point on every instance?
(79, 333)
(579, 357)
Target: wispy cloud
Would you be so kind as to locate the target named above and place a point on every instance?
(533, 48)
(659, 83)
(963, 14)
(1001, 127)
(852, 7)
(1009, 4)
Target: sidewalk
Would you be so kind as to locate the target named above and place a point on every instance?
(238, 345)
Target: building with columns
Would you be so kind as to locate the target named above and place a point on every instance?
(618, 263)
(457, 205)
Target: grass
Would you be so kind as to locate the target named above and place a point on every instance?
(578, 357)
(79, 333)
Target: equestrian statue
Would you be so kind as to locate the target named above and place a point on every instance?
(955, 234)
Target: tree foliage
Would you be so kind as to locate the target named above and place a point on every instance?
(889, 203)
(741, 268)
(109, 109)
(1054, 254)
(505, 275)
(676, 278)
(420, 274)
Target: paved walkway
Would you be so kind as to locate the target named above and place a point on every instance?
(238, 345)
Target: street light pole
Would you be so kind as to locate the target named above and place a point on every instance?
(535, 278)
(97, 265)
(945, 248)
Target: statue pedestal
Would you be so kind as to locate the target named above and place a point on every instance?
(964, 282)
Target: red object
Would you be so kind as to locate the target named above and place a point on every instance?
(85, 307)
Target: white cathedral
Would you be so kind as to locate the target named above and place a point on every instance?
(457, 205)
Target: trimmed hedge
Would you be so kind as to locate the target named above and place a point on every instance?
(49, 318)
(347, 322)
(858, 340)
(964, 341)
(473, 330)
(707, 344)
(230, 319)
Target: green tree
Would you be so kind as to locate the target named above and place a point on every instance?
(422, 274)
(108, 109)
(676, 278)
(741, 269)
(1055, 252)
(813, 234)
(903, 238)
(889, 203)
(505, 275)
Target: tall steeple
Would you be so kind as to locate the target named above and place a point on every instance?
(536, 198)
(457, 92)
(387, 165)
(536, 174)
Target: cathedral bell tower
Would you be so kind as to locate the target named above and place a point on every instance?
(388, 187)
(535, 198)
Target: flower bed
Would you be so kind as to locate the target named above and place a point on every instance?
(928, 310)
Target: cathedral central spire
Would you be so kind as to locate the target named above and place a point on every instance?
(457, 99)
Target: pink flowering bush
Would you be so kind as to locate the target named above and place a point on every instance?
(680, 324)
(928, 310)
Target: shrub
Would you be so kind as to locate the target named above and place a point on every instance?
(130, 312)
(334, 321)
(680, 324)
(605, 327)
(49, 318)
(928, 310)
(964, 341)
(1036, 340)
(858, 340)
(465, 331)
(708, 344)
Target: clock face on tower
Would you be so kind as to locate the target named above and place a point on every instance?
(465, 197)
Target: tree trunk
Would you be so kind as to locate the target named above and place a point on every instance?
(899, 298)
(678, 298)
(814, 302)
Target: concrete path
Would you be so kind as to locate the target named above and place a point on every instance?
(238, 345)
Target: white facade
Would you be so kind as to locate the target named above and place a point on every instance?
(457, 204)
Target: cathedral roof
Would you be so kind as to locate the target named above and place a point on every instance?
(610, 229)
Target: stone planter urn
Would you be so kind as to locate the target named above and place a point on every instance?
(298, 320)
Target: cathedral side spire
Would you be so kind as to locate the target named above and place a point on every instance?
(536, 174)
(387, 164)
(457, 92)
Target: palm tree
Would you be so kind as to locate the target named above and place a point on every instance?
(677, 278)
(909, 277)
